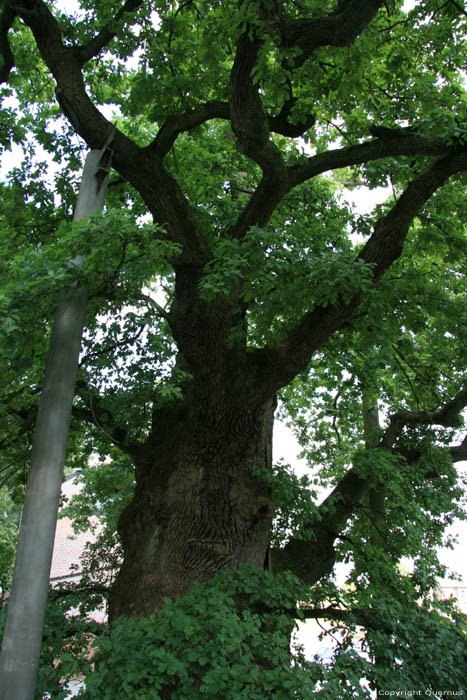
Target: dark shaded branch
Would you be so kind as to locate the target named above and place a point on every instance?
(402, 144)
(329, 613)
(310, 560)
(105, 36)
(26, 416)
(260, 207)
(175, 125)
(7, 60)
(29, 419)
(447, 416)
(401, 362)
(14, 469)
(281, 125)
(251, 129)
(214, 109)
(386, 243)
(65, 67)
(275, 181)
(107, 349)
(459, 7)
(340, 28)
(249, 123)
(365, 617)
(459, 452)
(57, 593)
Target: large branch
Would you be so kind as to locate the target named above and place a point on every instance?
(366, 617)
(143, 170)
(215, 109)
(251, 129)
(265, 199)
(276, 366)
(27, 417)
(248, 121)
(7, 60)
(396, 143)
(310, 560)
(447, 416)
(459, 452)
(340, 28)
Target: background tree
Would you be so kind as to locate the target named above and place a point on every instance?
(237, 126)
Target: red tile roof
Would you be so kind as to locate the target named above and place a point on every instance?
(69, 546)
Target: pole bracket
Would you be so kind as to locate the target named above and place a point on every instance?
(105, 161)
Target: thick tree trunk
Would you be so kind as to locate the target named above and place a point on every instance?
(199, 505)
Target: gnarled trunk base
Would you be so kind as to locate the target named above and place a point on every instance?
(200, 505)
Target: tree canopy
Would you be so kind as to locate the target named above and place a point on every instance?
(231, 278)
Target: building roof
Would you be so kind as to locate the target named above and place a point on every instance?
(68, 546)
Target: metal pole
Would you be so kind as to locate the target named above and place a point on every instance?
(24, 626)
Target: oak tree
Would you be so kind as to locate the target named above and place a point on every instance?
(241, 128)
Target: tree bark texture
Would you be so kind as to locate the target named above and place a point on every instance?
(200, 504)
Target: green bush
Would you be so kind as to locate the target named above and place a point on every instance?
(209, 644)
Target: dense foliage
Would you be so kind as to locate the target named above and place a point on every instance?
(230, 269)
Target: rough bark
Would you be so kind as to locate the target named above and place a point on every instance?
(200, 505)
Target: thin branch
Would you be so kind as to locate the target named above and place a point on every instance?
(99, 416)
(110, 348)
(160, 310)
(7, 478)
(341, 131)
(56, 593)
(402, 368)
(417, 373)
(334, 419)
(179, 9)
(105, 36)
(28, 417)
(31, 390)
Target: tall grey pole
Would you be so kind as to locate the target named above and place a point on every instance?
(24, 626)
